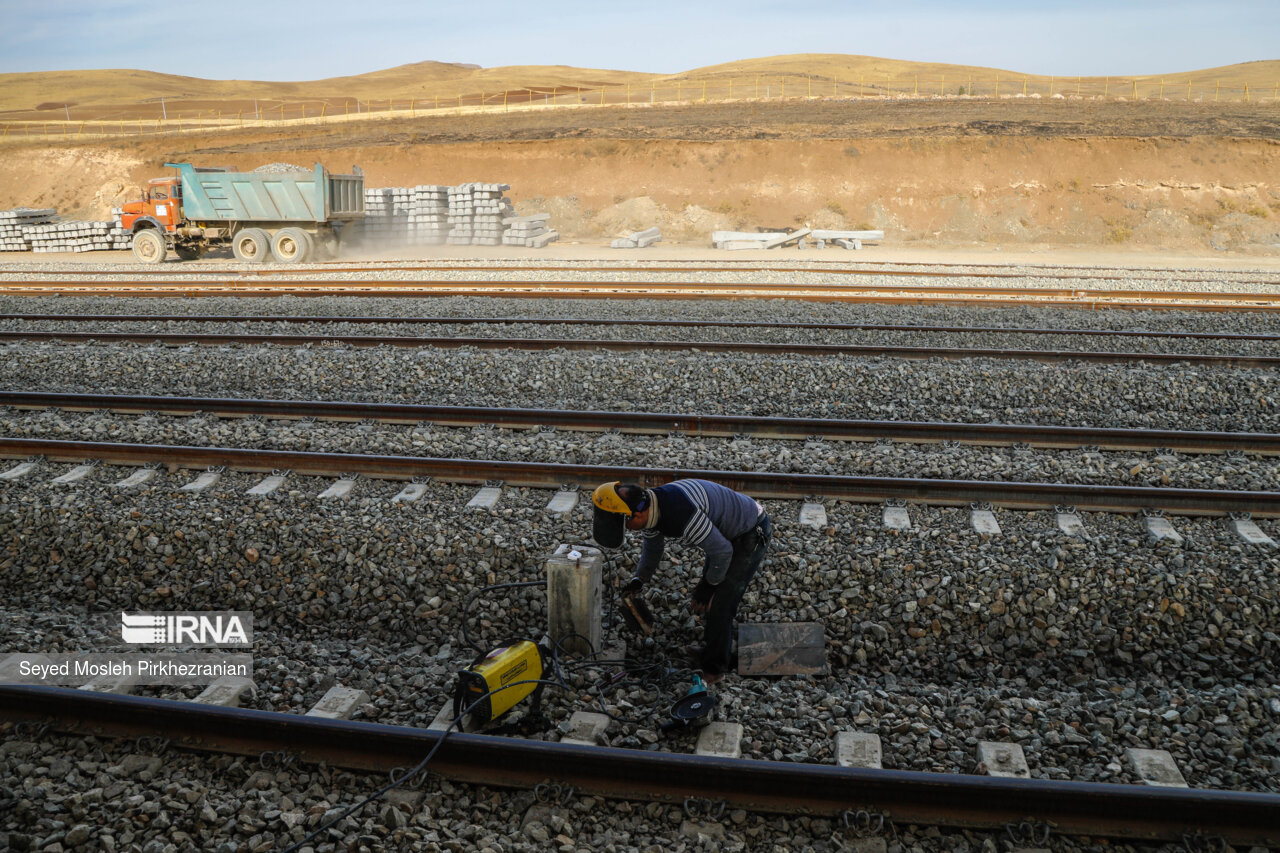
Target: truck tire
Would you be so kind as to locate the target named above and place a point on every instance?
(188, 253)
(148, 246)
(251, 246)
(291, 245)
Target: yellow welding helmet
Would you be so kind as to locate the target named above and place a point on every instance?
(610, 515)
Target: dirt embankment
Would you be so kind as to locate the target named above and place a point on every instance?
(1184, 176)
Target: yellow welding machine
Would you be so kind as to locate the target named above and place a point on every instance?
(486, 681)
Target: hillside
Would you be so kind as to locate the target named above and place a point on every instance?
(127, 94)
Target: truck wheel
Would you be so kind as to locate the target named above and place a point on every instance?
(252, 246)
(188, 253)
(291, 245)
(148, 247)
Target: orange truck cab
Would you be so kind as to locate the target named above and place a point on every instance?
(287, 216)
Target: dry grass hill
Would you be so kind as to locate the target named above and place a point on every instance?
(121, 94)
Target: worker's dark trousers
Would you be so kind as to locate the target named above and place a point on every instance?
(748, 553)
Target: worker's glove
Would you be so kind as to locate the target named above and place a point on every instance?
(702, 595)
(632, 587)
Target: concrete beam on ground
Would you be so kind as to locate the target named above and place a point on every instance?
(268, 485)
(858, 749)
(1159, 529)
(563, 502)
(410, 493)
(138, 478)
(1003, 759)
(206, 481)
(107, 683)
(339, 703)
(1071, 524)
(851, 245)
(22, 469)
(813, 514)
(722, 740)
(75, 475)
(735, 245)
(787, 238)
(1155, 767)
(340, 490)
(1249, 531)
(485, 499)
(587, 728)
(226, 691)
(984, 521)
(831, 234)
(897, 518)
(731, 236)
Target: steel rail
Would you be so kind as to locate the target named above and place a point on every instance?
(884, 268)
(1245, 302)
(661, 423)
(578, 344)
(592, 321)
(1077, 293)
(906, 797)
(761, 484)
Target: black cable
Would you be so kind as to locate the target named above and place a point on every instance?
(394, 783)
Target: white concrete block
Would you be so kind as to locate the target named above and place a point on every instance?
(858, 749)
(485, 499)
(734, 245)
(226, 691)
(984, 521)
(203, 483)
(574, 597)
(119, 684)
(722, 740)
(268, 485)
(813, 515)
(75, 475)
(338, 491)
(1071, 524)
(775, 242)
(1003, 759)
(1155, 767)
(1247, 530)
(586, 728)
(22, 469)
(897, 518)
(138, 478)
(563, 502)
(829, 234)
(410, 493)
(1161, 530)
(339, 703)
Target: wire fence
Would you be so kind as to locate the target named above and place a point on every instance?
(287, 113)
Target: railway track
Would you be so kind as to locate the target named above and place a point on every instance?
(1032, 435)
(879, 268)
(905, 797)
(878, 294)
(757, 348)
(760, 484)
(313, 319)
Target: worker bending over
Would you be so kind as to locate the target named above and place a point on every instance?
(731, 528)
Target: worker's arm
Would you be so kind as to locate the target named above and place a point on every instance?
(719, 554)
(651, 554)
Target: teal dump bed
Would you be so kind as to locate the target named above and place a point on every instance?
(210, 195)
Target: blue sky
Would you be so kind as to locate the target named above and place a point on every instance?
(227, 39)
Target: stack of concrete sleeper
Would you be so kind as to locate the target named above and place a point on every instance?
(14, 225)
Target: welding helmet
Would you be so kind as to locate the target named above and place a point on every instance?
(612, 509)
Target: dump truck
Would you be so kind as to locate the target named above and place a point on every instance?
(286, 215)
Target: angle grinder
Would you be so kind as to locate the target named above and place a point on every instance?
(693, 708)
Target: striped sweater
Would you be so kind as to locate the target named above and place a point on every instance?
(700, 513)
